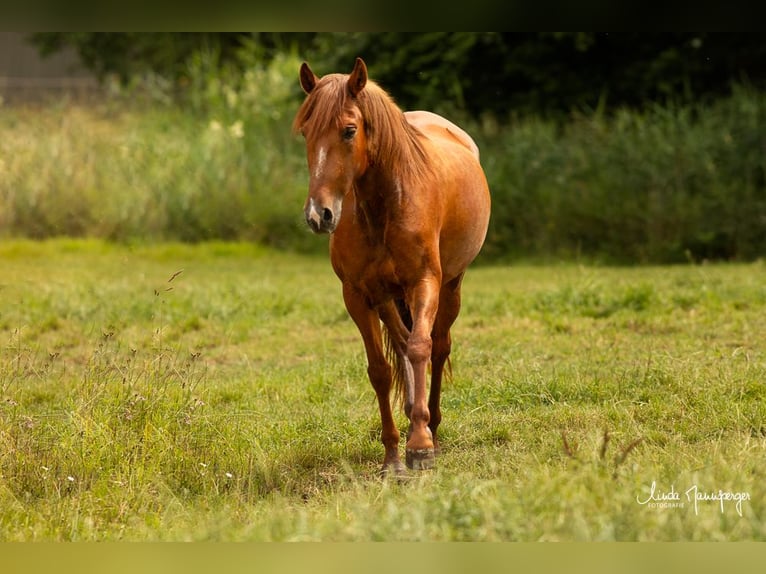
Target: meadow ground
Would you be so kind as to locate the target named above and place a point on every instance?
(219, 392)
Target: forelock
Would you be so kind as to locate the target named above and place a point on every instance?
(323, 107)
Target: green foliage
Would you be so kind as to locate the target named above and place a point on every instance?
(666, 184)
(132, 55)
(219, 392)
(663, 185)
(498, 73)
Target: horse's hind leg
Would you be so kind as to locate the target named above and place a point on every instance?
(449, 307)
(379, 372)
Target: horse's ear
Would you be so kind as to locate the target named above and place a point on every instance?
(358, 78)
(308, 78)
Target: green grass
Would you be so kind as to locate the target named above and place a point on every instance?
(230, 401)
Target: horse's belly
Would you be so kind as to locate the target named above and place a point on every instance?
(462, 237)
(457, 252)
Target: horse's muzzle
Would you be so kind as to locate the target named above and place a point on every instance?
(322, 219)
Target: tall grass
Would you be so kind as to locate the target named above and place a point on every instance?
(665, 184)
(223, 166)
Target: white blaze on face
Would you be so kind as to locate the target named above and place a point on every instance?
(321, 158)
(313, 214)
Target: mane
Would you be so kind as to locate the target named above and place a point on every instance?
(392, 143)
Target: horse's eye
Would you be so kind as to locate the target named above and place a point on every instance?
(349, 132)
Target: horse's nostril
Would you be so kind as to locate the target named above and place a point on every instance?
(327, 214)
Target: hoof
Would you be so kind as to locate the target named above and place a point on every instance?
(393, 470)
(420, 459)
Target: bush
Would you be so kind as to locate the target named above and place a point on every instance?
(656, 186)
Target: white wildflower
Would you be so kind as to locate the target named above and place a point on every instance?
(231, 96)
(236, 130)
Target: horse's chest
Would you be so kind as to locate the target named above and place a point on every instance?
(374, 273)
(381, 281)
(378, 279)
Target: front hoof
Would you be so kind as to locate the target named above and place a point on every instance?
(420, 459)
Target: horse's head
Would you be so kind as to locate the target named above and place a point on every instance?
(332, 125)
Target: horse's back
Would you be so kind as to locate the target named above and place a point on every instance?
(436, 127)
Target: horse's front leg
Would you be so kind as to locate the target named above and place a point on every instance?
(423, 301)
(379, 372)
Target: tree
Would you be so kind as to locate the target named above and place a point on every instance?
(477, 72)
(549, 73)
(127, 54)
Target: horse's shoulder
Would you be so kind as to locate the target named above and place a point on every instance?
(436, 127)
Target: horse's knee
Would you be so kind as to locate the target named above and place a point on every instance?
(419, 349)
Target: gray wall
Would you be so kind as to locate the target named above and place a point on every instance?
(25, 75)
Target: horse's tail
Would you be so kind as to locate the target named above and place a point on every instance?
(395, 355)
(395, 351)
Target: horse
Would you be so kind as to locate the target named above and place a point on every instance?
(407, 204)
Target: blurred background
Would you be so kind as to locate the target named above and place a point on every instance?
(605, 147)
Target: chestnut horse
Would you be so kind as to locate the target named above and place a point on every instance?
(407, 204)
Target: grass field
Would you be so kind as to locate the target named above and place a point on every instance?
(219, 392)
